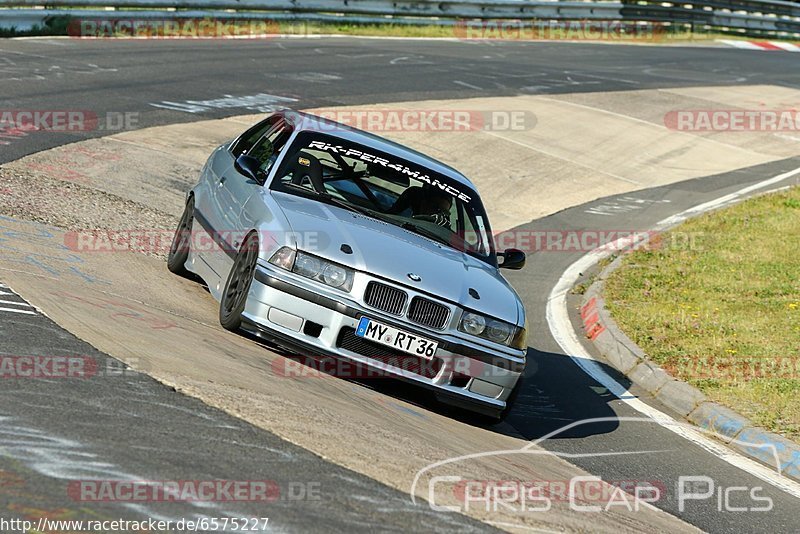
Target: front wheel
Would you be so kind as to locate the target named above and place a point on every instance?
(179, 250)
(234, 297)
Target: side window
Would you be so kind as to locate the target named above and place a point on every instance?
(474, 231)
(249, 138)
(267, 149)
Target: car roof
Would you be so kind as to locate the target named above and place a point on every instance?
(314, 123)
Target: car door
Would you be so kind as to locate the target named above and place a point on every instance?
(213, 199)
(208, 212)
(238, 195)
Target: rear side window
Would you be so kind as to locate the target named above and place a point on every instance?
(251, 136)
(267, 149)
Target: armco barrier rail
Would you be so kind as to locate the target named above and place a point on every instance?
(767, 18)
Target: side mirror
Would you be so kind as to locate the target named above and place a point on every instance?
(512, 259)
(248, 166)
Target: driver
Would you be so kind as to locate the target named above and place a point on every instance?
(434, 207)
(425, 204)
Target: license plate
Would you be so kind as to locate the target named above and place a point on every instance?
(397, 339)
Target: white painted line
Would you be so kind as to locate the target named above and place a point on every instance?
(578, 73)
(789, 47)
(14, 302)
(746, 45)
(566, 337)
(590, 212)
(469, 85)
(723, 201)
(15, 310)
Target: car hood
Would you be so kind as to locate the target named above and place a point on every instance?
(390, 252)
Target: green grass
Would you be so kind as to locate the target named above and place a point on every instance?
(380, 30)
(724, 314)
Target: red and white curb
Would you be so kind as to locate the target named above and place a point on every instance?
(769, 46)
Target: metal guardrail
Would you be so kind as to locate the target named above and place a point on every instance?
(773, 18)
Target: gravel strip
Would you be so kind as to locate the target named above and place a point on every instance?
(37, 197)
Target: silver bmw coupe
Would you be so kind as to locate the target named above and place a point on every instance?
(341, 246)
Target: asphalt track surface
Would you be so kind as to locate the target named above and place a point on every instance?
(125, 76)
(132, 76)
(62, 429)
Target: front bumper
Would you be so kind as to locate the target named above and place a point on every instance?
(306, 318)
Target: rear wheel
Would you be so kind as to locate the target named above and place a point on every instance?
(234, 297)
(179, 250)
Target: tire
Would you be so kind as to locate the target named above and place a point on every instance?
(234, 297)
(179, 250)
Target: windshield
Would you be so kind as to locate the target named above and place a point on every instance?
(360, 178)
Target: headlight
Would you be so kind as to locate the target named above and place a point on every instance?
(491, 329)
(472, 323)
(499, 332)
(334, 275)
(313, 267)
(307, 266)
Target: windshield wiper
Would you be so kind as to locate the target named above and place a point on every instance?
(327, 197)
(424, 232)
(411, 227)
